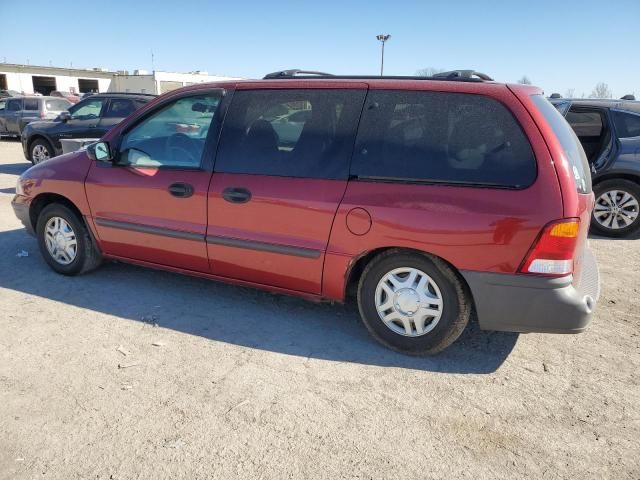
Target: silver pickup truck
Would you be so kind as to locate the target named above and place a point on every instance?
(16, 112)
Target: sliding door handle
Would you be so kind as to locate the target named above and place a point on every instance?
(236, 195)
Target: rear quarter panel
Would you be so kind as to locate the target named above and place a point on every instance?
(479, 229)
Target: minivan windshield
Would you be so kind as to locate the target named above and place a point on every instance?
(570, 144)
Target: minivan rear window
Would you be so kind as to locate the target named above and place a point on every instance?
(570, 144)
(437, 137)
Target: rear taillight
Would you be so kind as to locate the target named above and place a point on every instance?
(43, 115)
(554, 250)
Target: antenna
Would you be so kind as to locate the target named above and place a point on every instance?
(152, 64)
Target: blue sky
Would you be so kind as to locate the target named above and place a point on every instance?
(558, 44)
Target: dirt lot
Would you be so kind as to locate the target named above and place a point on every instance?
(225, 382)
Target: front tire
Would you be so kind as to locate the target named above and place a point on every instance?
(65, 242)
(413, 303)
(40, 150)
(617, 209)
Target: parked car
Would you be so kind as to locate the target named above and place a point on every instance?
(17, 112)
(9, 93)
(72, 97)
(429, 199)
(609, 131)
(90, 118)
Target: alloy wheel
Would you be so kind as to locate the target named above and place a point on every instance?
(616, 209)
(40, 153)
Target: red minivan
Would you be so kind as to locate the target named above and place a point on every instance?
(428, 199)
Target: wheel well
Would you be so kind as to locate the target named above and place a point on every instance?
(359, 265)
(44, 199)
(618, 176)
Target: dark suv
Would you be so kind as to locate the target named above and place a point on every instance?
(609, 131)
(90, 118)
(429, 199)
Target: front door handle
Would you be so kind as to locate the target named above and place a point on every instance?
(236, 195)
(181, 190)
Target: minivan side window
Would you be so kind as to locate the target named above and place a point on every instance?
(304, 133)
(173, 136)
(627, 124)
(441, 137)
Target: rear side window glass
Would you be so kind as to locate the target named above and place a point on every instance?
(627, 124)
(292, 133)
(31, 104)
(569, 141)
(119, 108)
(585, 124)
(57, 105)
(442, 138)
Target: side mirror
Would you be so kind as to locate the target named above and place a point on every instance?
(64, 116)
(100, 152)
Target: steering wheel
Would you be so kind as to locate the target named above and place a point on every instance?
(179, 146)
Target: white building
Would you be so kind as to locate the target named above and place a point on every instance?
(159, 82)
(29, 79)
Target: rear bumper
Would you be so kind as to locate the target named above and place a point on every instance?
(20, 206)
(524, 303)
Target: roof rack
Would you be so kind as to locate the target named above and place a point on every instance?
(293, 72)
(463, 74)
(454, 75)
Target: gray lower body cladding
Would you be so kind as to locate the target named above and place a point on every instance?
(529, 303)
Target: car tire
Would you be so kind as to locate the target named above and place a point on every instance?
(623, 195)
(40, 150)
(58, 227)
(432, 308)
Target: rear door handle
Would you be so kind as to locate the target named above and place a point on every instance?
(236, 195)
(181, 190)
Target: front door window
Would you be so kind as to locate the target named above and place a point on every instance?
(172, 137)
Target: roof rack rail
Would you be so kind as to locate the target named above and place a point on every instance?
(462, 74)
(293, 72)
(454, 75)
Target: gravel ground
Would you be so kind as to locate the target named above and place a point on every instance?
(131, 373)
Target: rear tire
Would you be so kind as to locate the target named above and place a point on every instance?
(617, 209)
(58, 227)
(425, 304)
(40, 150)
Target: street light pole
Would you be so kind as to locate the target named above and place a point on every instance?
(382, 38)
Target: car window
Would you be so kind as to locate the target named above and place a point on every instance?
(570, 144)
(31, 104)
(585, 123)
(119, 108)
(174, 136)
(441, 137)
(627, 124)
(87, 110)
(57, 104)
(291, 133)
(14, 105)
